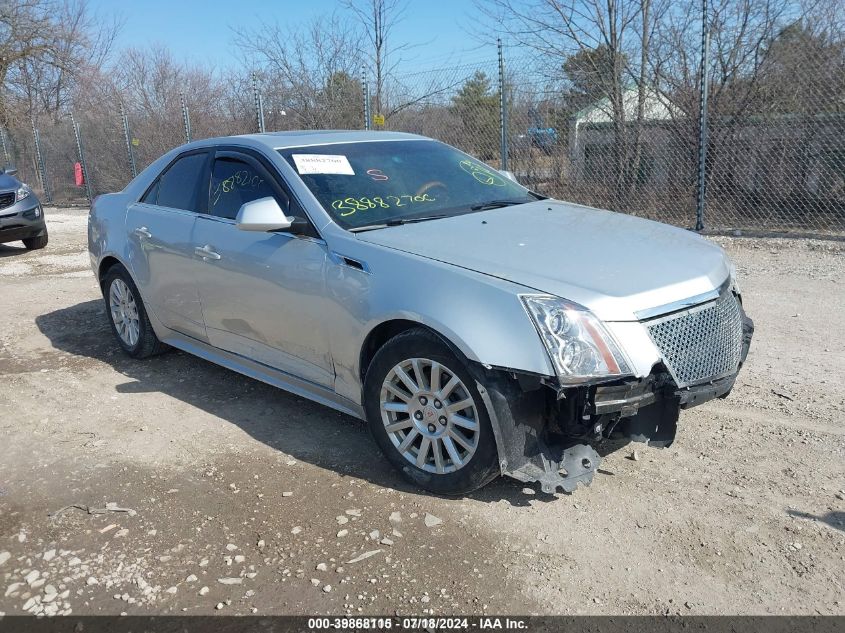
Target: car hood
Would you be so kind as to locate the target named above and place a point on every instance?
(614, 264)
(8, 182)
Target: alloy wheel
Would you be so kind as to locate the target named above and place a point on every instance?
(124, 312)
(429, 415)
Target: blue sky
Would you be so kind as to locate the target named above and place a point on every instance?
(200, 30)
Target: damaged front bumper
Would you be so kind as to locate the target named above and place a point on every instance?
(545, 433)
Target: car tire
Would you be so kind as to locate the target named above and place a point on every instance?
(467, 461)
(34, 243)
(127, 315)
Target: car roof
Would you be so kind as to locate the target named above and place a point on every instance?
(267, 141)
(304, 138)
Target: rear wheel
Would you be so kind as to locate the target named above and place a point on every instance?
(425, 413)
(127, 315)
(34, 243)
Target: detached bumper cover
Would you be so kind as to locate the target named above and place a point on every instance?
(527, 451)
(550, 442)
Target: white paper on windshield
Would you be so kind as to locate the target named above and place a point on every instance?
(322, 164)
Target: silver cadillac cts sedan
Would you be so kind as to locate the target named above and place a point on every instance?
(479, 328)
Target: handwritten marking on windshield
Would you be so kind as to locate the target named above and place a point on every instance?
(482, 174)
(348, 206)
(377, 175)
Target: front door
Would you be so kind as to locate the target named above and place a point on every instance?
(262, 293)
(161, 253)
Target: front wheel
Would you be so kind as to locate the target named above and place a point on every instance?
(425, 413)
(35, 243)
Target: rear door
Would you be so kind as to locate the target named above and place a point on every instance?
(262, 293)
(161, 253)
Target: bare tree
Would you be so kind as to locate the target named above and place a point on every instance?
(44, 46)
(25, 35)
(310, 73)
(608, 43)
(378, 18)
(739, 32)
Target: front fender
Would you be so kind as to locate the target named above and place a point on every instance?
(480, 315)
(438, 325)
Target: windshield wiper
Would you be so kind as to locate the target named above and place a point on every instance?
(496, 204)
(396, 222)
(425, 218)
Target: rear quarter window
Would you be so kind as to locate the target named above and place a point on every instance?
(152, 194)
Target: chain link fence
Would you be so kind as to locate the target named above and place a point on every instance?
(774, 152)
(774, 165)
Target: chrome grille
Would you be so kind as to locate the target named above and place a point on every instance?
(702, 343)
(7, 199)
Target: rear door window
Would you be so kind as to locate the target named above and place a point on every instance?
(180, 186)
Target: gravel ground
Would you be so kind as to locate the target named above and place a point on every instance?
(175, 486)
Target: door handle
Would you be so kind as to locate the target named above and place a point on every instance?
(143, 232)
(206, 253)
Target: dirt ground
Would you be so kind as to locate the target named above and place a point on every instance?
(246, 499)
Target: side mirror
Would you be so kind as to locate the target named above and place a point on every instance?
(263, 214)
(11, 171)
(509, 175)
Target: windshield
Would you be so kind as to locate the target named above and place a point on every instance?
(383, 182)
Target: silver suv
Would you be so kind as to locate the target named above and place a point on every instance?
(480, 328)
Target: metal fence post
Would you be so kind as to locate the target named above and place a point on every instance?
(503, 110)
(259, 105)
(127, 135)
(39, 160)
(366, 91)
(85, 173)
(5, 147)
(702, 118)
(186, 117)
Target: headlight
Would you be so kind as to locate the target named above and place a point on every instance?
(22, 192)
(580, 347)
